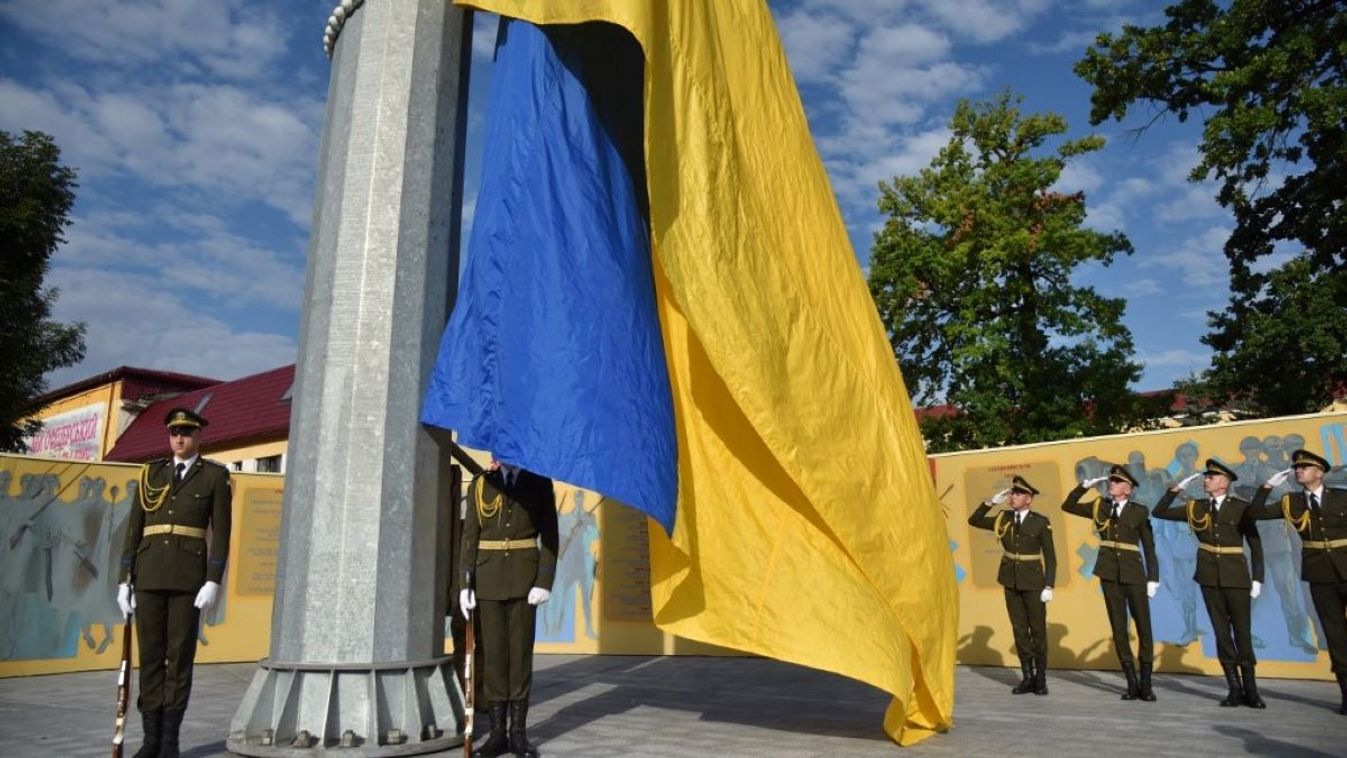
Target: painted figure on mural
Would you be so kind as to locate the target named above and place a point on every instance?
(32, 628)
(1177, 548)
(1319, 515)
(577, 567)
(173, 561)
(509, 562)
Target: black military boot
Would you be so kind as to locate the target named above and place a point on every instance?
(519, 742)
(1041, 676)
(1251, 697)
(496, 742)
(172, 724)
(1235, 695)
(1027, 671)
(1342, 685)
(1133, 692)
(1144, 690)
(152, 722)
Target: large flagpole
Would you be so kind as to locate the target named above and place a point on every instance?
(357, 660)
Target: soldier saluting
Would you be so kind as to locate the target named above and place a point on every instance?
(1319, 515)
(509, 559)
(1028, 571)
(1222, 524)
(170, 574)
(1124, 529)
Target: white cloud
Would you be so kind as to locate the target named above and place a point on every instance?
(224, 141)
(813, 43)
(231, 40)
(1199, 260)
(1188, 360)
(1144, 288)
(985, 20)
(135, 321)
(1078, 176)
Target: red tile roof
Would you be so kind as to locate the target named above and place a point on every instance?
(245, 411)
(136, 383)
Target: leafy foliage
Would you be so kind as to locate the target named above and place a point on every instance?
(36, 193)
(972, 277)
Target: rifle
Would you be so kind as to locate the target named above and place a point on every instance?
(468, 688)
(123, 692)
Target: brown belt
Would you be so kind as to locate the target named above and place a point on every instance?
(506, 544)
(1220, 550)
(1119, 545)
(1324, 544)
(186, 531)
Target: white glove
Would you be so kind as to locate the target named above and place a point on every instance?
(538, 596)
(207, 595)
(1152, 588)
(1279, 477)
(467, 600)
(1087, 483)
(1000, 497)
(1185, 481)
(1256, 589)
(1046, 595)
(126, 600)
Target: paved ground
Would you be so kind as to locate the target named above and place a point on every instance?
(687, 706)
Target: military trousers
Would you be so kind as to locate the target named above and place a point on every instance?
(166, 625)
(1230, 610)
(1122, 600)
(506, 648)
(1330, 602)
(1028, 619)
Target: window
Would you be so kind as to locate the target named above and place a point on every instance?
(269, 465)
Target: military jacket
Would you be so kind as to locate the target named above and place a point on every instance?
(1034, 538)
(1323, 533)
(1119, 562)
(167, 560)
(1227, 529)
(497, 514)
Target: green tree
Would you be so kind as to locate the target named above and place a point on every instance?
(36, 193)
(972, 277)
(1270, 80)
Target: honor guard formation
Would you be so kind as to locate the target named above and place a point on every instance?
(1222, 524)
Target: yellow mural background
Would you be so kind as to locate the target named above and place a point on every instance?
(1078, 632)
(50, 600)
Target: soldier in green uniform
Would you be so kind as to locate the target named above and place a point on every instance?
(1124, 528)
(509, 559)
(173, 561)
(1027, 572)
(1222, 524)
(1319, 515)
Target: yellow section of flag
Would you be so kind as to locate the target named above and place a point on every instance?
(808, 529)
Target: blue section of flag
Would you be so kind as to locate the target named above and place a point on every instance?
(553, 358)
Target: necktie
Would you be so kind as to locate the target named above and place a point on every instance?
(1314, 502)
(1117, 509)
(177, 472)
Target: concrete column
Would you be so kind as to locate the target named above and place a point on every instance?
(357, 660)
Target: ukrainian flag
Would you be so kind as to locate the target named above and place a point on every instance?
(661, 304)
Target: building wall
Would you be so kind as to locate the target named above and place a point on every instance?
(66, 420)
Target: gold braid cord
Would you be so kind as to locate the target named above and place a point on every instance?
(151, 498)
(1094, 516)
(1299, 524)
(486, 510)
(1198, 525)
(998, 528)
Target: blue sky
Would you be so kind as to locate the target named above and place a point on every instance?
(195, 128)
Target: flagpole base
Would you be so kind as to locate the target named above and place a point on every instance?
(358, 710)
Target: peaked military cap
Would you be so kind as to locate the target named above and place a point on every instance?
(1019, 484)
(1216, 467)
(1121, 473)
(184, 417)
(1306, 458)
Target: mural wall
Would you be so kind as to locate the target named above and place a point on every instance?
(62, 522)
